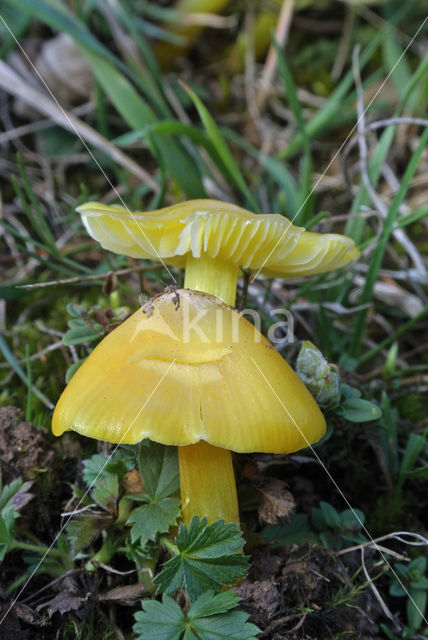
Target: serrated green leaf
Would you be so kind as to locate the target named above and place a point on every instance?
(153, 518)
(159, 469)
(206, 558)
(106, 492)
(209, 618)
(226, 626)
(211, 604)
(84, 528)
(97, 467)
(159, 620)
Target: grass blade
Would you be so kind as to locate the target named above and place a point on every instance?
(377, 256)
(8, 355)
(221, 147)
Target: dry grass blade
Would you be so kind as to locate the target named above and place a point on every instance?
(281, 33)
(378, 203)
(14, 84)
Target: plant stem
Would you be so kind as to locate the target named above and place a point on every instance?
(27, 546)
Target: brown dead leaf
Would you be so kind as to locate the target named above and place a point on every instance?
(128, 595)
(276, 502)
(132, 482)
(62, 603)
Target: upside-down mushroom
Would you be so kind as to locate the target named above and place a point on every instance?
(169, 373)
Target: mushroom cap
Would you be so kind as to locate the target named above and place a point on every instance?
(267, 243)
(184, 368)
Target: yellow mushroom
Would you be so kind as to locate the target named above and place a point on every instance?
(187, 369)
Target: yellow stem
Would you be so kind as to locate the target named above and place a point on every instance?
(207, 480)
(207, 483)
(212, 276)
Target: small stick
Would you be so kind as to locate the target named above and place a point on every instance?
(97, 276)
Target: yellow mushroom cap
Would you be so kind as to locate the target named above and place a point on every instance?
(184, 368)
(267, 243)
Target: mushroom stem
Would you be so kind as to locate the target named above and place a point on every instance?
(212, 276)
(207, 483)
(207, 480)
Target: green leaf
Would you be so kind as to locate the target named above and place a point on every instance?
(72, 369)
(381, 244)
(221, 147)
(226, 626)
(414, 446)
(75, 310)
(7, 520)
(210, 604)
(331, 515)
(58, 17)
(137, 114)
(83, 529)
(106, 492)
(206, 558)
(397, 590)
(208, 618)
(358, 410)
(294, 532)
(98, 467)
(307, 166)
(83, 333)
(15, 495)
(416, 605)
(159, 469)
(422, 583)
(153, 518)
(159, 620)
(352, 518)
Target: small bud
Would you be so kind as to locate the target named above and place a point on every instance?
(321, 378)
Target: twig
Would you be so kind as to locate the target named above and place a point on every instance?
(97, 276)
(376, 593)
(381, 124)
(399, 234)
(269, 68)
(395, 535)
(14, 84)
(31, 127)
(116, 571)
(38, 355)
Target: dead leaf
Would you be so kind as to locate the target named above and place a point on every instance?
(276, 502)
(132, 482)
(63, 602)
(128, 595)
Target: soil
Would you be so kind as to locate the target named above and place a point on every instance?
(295, 594)
(301, 592)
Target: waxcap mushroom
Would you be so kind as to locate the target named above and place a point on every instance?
(187, 368)
(268, 243)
